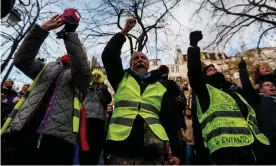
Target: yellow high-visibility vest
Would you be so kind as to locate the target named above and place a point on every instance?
(129, 103)
(223, 124)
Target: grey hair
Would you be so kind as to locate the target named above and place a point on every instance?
(130, 60)
(131, 57)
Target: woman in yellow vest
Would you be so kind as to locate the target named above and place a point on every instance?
(229, 127)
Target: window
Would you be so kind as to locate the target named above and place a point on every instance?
(172, 69)
(154, 62)
(177, 69)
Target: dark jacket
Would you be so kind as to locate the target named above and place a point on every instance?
(134, 144)
(56, 84)
(96, 102)
(5, 111)
(264, 106)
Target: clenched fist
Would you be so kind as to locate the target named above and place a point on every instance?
(242, 64)
(195, 37)
(130, 23)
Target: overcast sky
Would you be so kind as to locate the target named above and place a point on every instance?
(183, 13)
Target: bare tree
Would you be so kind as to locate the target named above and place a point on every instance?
(107, 18)
(234, 16)
(15, 34)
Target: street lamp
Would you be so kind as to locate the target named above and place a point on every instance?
(12, 18)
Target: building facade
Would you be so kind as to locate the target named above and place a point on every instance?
(226, 64)
(178, 70)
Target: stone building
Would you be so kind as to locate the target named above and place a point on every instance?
(178, 70)
(226, 64)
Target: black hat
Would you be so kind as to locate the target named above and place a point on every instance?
(266, 78)
(7, 91)
(204, 70)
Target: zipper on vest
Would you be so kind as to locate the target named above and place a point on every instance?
(39, 141)
(255, 158)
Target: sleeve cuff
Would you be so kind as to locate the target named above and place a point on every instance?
(40, 29)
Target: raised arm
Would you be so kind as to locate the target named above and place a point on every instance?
(111, 55)
(195, 74)
(81, 74)
(24, 58)
(247, 87)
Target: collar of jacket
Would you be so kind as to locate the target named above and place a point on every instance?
(140, 76)
(94, 87)
(270, 96)
(59, 62)
(153, 75)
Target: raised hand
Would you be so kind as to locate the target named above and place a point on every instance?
(195, 37)
(130, 23)
(54, 23)
(242, 64)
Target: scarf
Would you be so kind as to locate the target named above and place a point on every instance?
(83, 137)
(65, 59)
(141, 76)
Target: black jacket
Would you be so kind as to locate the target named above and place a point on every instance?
(264, 106)
(134, 144)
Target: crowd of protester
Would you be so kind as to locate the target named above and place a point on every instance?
(64, 116)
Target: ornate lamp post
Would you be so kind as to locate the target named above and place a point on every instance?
(12, 18)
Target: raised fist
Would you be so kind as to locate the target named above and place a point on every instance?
(70, 24)
(242, 64)
(130, 23)
(195, 37)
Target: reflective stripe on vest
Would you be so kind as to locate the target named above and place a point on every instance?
(129, 103)
(125, 103)
(234, 114)
(129, 122)
(227, 130)
(223, 125)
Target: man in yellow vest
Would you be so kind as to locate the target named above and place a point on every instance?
(144, 119)
(229, 127)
